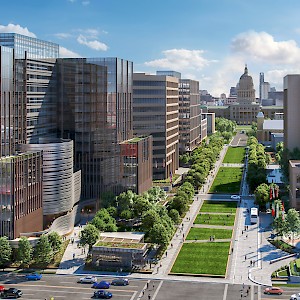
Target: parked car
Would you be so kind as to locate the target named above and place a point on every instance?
(1, 288)
(235, 197)
(273, 290)
(101, 285)
(11, 293)
(102, 294)
(88, 279)
(120, 281)
(295, 296)
(34, 276)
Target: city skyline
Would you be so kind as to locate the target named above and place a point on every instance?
(209, 41)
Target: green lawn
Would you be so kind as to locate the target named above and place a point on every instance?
(220, 207)
(234, 155)
(228, 180)
(202, 258)
(205, 233)
(243, 127)
(213, 219)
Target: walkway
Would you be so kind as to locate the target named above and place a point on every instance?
(248, 264)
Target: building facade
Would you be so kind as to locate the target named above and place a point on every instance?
(190, 117)
(136, 166)
(291, 85)
(155, 112)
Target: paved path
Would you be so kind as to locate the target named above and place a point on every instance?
(248, 245)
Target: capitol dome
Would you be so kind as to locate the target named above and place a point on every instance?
(245, 88)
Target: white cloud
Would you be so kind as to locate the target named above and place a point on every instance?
(15, 28)
(261, 47)
(62, 35)
(180, 60)
(93, 44)
(64, 52)
(85, 3)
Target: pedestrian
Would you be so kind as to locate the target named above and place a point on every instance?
(149, 296)
(210, 238)
(143, 292)
(147, 285)
(245, 257)
(84, 250)
(247, 292)
(171, 245)
(73, 255)
(246, 235)
(166, 253)
(243, 285)
(242, 232)
(153, 285)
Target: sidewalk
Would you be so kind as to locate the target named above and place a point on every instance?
(74, 257)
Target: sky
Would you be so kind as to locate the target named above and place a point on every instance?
(206, 40)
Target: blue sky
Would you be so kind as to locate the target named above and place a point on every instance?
(206, 40)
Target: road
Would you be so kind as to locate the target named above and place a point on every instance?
(66, 287)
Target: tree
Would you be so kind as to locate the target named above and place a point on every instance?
(262, 194)
(24, 251)
(112, 211)
(126, 214)
(55, 241)
(159, 234)
(89, 235)
(125, 200)
(140, 206)
(43, 253)
(174, 215)
(280, 225)
(149, 218)
(111, 227)
(5, 251)
(292, 222)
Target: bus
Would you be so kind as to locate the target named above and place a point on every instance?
(254, 215)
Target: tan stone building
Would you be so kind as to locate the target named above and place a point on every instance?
(155, 112)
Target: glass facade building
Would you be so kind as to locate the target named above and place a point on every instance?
(34, 47)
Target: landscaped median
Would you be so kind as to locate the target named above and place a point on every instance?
(207, 245)
(228, 180)
(234, 155)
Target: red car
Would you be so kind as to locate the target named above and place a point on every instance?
(273, 290)
(1, 288)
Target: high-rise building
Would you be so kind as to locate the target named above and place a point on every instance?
(291, 106)
(95, 110)
(21, 198)
(60, 116)
(155, 112)
(190, 117)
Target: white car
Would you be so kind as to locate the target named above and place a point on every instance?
(88, 279)
(235, 197)
(295, 296)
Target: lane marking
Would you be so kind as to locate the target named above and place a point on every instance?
(157, 290)
(225, 291)
(133, 296)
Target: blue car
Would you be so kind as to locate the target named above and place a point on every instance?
(34, 276)
(102, 295)
(101, 285)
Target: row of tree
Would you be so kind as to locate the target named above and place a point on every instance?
(43, 253)
(257, 162)
(146, 210)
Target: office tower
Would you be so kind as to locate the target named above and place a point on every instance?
(155, 112)
(291, 106)
(21, 173)
(95, 110)
(189, 115)
(261, 81)
(233, 92)
(264, 89)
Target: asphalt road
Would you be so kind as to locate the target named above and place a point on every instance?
(66, 287)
